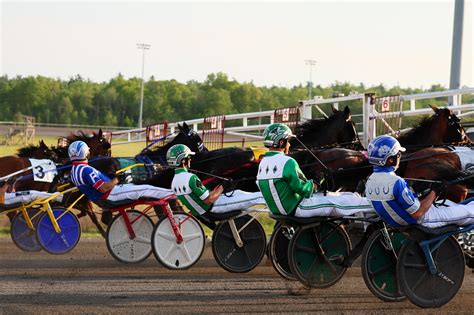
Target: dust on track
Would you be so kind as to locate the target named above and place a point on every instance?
(89, 280)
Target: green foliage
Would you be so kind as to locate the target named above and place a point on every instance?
(117, 102)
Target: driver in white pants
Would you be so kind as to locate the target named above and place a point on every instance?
(27, 196)
(394, 201)
(195, 196)
(97, 186)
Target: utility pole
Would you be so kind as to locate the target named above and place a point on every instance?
(456, 52)
(143, 47)
(310, 63)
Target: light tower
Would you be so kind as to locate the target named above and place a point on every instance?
(143, 47)
(311, 63)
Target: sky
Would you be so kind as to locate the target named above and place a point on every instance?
(405, 43)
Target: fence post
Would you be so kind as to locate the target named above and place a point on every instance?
(369, 124)
(306, 111)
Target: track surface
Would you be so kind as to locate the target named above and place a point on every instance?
(88, 280)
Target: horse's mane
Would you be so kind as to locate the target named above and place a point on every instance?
(414, 134)
(27, 151)
(79, 136)
(313, 126)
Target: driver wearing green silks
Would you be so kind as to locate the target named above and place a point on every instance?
(195, 196)
(286, 189)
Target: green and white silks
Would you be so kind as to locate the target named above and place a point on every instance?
(192, 193)
(287, 191)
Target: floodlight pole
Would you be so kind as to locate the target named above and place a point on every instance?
(143, 47)
(456, 51)
(311, 63)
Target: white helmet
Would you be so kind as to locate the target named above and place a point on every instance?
(78, 150)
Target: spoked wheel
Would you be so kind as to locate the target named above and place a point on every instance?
(24, 237)
(317, 254)
(420, 286)
(466, 240)
(279, 243)
(66, 239)
(379, 265)
(168, 251)
(121, 245)
(229, 255)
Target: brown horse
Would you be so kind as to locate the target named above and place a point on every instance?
(442, 128)
(10, 164)
(437, 164)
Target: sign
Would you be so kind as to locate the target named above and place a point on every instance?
(385, 105)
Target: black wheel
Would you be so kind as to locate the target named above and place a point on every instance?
(379, 265)
(278, 251)
(317, 254)
(229, 255)
(470, 262)
(420, 286)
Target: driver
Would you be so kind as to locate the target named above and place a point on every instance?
(98, 186)
(287, 191)
(394, 201)
(195, 196)
(27, 196)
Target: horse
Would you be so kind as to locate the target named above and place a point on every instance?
(335, 130)
(241, 164)
(41, 151)
(10, 164)
(442, 128)
(439, 164)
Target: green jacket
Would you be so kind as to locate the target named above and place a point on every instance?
(190, 191)
(282, 183)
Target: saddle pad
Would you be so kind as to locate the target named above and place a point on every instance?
(466, 155)
(43, 170)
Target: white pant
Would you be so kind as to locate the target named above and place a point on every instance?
(239, 200)
(134, 192)
(437, 216)
(332, 205)
(27, 196)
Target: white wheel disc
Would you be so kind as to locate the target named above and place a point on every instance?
(122, 246)
(167, 250)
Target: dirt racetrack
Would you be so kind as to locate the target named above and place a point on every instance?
(89, 280)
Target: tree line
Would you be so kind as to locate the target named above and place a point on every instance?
(116, 102)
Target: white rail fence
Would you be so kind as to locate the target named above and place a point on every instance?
(243, 127)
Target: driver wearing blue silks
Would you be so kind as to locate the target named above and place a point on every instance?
(393, 199)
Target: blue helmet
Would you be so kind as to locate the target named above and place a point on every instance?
(78, 150)
(383, 147)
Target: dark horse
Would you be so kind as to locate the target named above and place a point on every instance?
(241, 165)
(335, 130)
(10, 164)
(348, 167)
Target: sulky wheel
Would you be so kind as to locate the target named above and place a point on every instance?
(317, 254)
(121, 245)
(24, 237)
(229, 255)
(168, 251)
(420, 286)
(66, 239)
(466, 240)
(379, 265)
(278, 250)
